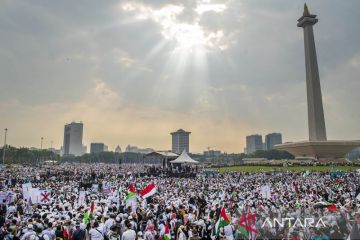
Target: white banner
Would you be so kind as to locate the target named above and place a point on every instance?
(7, 197)
(265, 192)
(26, 188)
(81, 199)
(45, 196)
(35, 195)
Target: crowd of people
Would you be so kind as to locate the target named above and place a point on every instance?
(92, 202)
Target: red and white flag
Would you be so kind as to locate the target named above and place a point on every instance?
(149, 190)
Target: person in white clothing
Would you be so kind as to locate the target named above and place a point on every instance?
(228, 231)
(129, 234)
(95, 233)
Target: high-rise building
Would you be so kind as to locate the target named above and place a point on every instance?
(73, 134)
(98, 147)
(272, 139)
(180, 141)
(253, 143)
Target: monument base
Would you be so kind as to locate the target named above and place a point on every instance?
(319, 149)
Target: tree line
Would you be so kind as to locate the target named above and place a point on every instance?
(24, 155)
(36, 156)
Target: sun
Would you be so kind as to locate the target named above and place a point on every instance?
(187, 36)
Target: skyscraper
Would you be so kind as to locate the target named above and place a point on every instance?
(73, 134)
(97, 147)
(272, 139)
(180, 141)
(253, 143)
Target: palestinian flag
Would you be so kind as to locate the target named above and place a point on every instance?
(130, 198)
(149, 190)
(89, 213)
(295, 187)
(92, 207)
(222, 222)
(330, 206)
(246, 224)
(132, 188)
(67, 233)
(167, 235)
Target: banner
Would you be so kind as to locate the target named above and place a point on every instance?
(45, 196)
(26, 188)
(35, 195)
(265, 192)
(81, 199)
(7, 197)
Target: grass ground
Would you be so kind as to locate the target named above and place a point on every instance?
(289, 168)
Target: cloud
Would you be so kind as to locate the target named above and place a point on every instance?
(134, 71)
(181, 23)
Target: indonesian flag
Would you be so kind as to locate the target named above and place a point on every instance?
(222, 222)
(167, 235)
(149, 190)
(296, 189)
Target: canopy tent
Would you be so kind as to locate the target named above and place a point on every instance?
(184, 158)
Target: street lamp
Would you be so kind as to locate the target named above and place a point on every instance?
(4, 146)
(41, 143)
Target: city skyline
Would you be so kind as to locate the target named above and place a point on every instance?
(242, 77)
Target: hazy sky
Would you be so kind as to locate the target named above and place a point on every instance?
(133, 71)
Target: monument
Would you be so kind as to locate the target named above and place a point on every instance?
(318, 147)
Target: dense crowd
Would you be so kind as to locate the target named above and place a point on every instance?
(92, 202)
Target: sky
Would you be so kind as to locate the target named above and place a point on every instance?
(134, 71)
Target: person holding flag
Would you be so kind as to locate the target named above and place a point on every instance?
(223, 221)
(89, 214)
(131, 198)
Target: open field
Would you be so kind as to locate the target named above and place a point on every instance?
(289, 168)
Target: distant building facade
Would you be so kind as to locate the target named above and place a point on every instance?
(73, 136)
(135, 149)
(118, 149)
(212, 153)
(253, 143)
(180, 141)
(271, 140)
(98, 147)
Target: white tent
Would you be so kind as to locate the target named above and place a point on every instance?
(184, 158)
